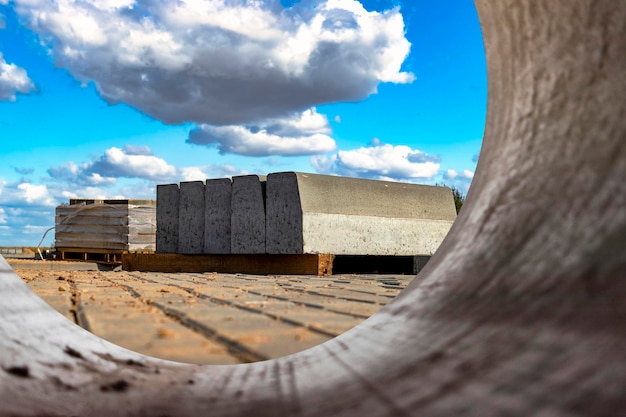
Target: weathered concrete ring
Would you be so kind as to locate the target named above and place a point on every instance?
(520, 312)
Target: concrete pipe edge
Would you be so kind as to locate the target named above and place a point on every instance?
(520, 312)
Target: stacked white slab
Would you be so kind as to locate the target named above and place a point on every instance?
(308, 213)
(106, 224)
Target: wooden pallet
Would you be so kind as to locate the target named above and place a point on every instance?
(89, 255)
(245, 264)
(105, 256)
(302, 264)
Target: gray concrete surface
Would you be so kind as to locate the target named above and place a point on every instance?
(310, 213)
(167, 213)
(248, 215)
(217, 214)
(191, 217)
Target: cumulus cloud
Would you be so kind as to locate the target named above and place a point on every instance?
(131, 162)
(120, 163)
(380, 161)
(226, 170)
(305, 133)
(461, 180)
(13, 80)
(192, 174)
(79, 175)
(83, 192)
(3, 216)
(453, 175)
(223, 62)
(134, 163)
(35, 194)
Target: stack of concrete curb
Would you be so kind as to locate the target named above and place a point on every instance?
(297, 213)
(107, 225)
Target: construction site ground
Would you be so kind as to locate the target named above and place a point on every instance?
(210, 318)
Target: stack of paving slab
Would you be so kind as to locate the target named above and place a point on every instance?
(298, 213)
(116, 225)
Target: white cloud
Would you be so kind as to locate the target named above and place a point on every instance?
(225, 170)
(96, 178)
(130, 162)
(79, 175)
(301, 134)
(85, 192)
(3, 216)
(13, 80)
(192, 174)
(380, 161)
(460, 180)
(35, 194)
(465, 175)
(118, 163)
(223, 62)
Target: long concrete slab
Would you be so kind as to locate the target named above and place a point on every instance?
(191, 218)
(248, 215)
(217, 214)
(167, 213)
(310, 213)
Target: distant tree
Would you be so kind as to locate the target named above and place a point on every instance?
(459, 198)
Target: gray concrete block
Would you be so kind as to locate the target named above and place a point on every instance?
(310, 213)
(191, 218)
(217, 214)
(167, 218)
(248, 215)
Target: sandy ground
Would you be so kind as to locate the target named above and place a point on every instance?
(211, 318)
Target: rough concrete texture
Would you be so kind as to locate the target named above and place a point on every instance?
(167, 218)
(217, 214)
(248, 215)
(520, 312)
(309, 213)
(191, 217)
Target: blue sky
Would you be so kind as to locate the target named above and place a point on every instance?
(107, 98)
